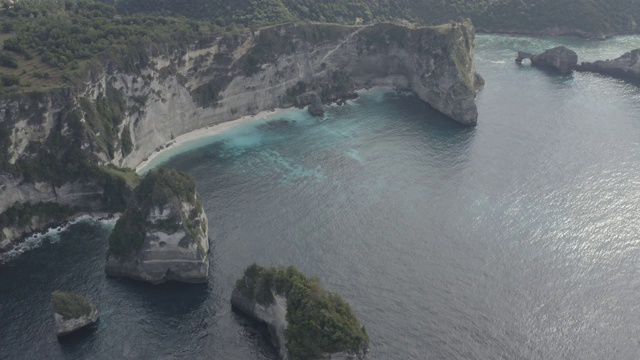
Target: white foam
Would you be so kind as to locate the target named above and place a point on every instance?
(53, 235)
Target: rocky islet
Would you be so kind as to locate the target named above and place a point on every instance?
(163, 234)
(72, 312)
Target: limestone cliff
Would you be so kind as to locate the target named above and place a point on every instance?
(163, 234)
(54, 144)
(626, 66)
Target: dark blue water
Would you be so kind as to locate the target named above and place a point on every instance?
(516, 239)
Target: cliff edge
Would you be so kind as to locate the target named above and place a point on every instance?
(163, 234)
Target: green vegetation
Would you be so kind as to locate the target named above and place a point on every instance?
(20, 214)
(57, 42)
(69, 305)
(319, 322)
(103, 119)
(128, 235)
(590, 16)
(292, 93)
(164, 186)
(158, 188)
(8, 60)
(209, 93)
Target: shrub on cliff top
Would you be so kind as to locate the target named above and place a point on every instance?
(319, 321)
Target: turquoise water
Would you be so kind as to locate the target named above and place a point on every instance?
(514, 239)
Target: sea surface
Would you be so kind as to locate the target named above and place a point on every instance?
(515, 239)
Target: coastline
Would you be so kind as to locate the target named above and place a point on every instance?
(217, 129)
(206, 132)
(33, 238)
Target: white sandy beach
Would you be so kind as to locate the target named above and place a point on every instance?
(223, 127)
(207, 132)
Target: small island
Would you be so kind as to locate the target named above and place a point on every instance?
(163, 234)
(72, 312)
(305, 320)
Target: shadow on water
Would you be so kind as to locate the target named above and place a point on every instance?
(72, 342)
(256, 332)
(555, 77)
(623, 78)
(171, 298)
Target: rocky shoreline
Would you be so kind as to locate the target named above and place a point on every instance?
(37, 230)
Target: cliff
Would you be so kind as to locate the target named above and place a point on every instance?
(626, 66)
(163, 233)
(55, 143)
(304, 320)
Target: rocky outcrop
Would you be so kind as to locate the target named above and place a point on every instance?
(163, 234)
(120, 117)
(315, 105)
(626, 66)
(272, 314)
(559, 59)
(72, 312)
(292, 305)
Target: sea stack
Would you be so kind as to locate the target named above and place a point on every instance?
(315, 105)
(293, 307)
(559, 59)
(72, 312)
(163, 234)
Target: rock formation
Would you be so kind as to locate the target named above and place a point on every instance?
(315, 105)
(559, 59)
(72, 312)
(291, 305)
(626, 66)
(163, 234)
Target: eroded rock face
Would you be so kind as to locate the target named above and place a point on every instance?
(163, 234)
(72, 312)
(290, 304)
(559, 59)
(274, 315)
(626, 66)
